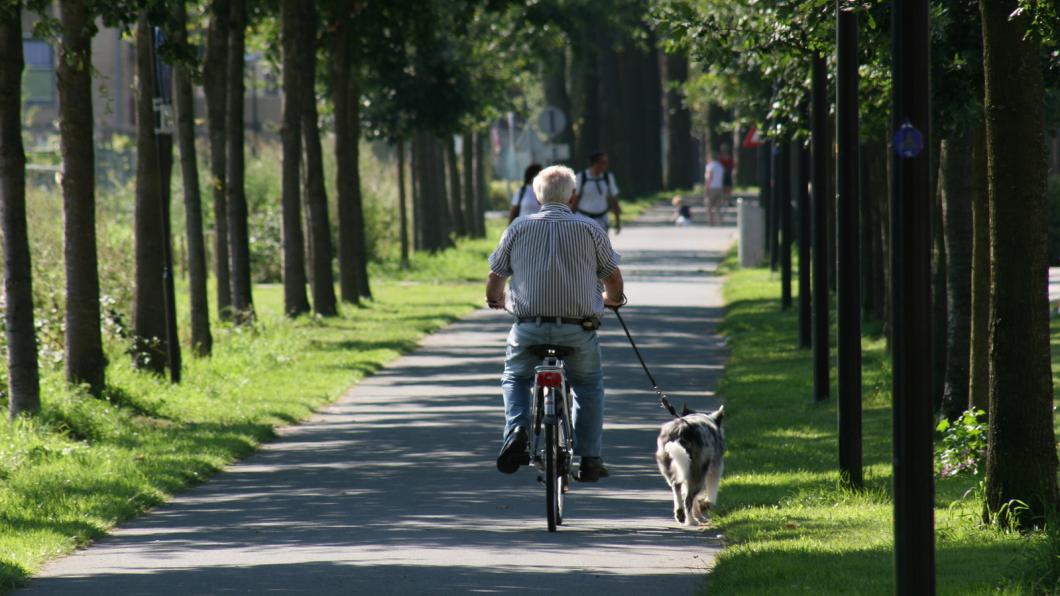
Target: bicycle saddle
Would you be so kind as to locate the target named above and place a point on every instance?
(543, 350)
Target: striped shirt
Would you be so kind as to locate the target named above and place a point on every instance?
(556, 260)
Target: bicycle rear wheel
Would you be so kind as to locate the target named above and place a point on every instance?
(553, 490)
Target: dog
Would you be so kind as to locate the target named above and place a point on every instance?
(690, 454)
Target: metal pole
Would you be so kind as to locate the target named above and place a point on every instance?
(169, 295)
(819, 123)
(774, 207)
(914, 545)
(801, 172)
(782, 192)
(848, 344)
(765, 194)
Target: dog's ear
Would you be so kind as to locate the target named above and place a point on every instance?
(685, 411)
(718, 415)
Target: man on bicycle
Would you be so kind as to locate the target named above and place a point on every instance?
(558, 262)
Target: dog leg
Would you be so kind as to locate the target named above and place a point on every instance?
(679, 510)
(690, 507)
(713, 480)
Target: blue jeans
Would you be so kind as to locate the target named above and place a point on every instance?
(584, 375)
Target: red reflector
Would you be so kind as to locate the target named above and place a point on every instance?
(549, 379)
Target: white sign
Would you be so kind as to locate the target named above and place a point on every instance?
(551, 121)
(555, 152)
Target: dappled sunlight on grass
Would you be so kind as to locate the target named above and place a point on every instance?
(791, 527)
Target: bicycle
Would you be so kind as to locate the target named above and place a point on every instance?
(550, 413)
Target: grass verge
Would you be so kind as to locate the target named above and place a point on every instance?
(86, 464)
(790, 527)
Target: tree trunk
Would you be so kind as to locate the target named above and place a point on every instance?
(482, 185)
(295, 300)
(85, 362)
(681, 170)
(353, 254)
(591, 116)
(322, 282)
(885, 242)
(979, 345)
(555, 84)
(456, 196)
(238, 234)
(416, 182)
(956, 181)
(1021, 459)
(403, 206)
(468, 146)
(215, 88)
(23, 382)
(201, 340)
(938, 286)
(149, 321)
(443, 228)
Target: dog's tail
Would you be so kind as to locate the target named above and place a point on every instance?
(669, 408)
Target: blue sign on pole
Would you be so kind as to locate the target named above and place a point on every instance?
(908, 141)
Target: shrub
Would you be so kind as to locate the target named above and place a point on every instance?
(963, 444)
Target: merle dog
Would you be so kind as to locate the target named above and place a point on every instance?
(690, 455)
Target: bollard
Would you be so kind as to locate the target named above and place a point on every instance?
(750, 221)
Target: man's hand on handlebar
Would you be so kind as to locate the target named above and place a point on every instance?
(614, 304)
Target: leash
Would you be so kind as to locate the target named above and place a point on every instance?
(665, 403)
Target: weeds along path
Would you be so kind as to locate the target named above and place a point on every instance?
(393, 489)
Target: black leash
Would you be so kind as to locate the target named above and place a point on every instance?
(665, 403)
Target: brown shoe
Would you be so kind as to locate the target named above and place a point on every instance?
(591, 469)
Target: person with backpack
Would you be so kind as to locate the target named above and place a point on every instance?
(597, 193)
(524, 201)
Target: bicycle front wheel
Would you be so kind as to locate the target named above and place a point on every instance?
(553, 490)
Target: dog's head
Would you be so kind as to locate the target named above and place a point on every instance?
(716, 415)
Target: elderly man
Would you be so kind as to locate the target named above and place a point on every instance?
(558, 263)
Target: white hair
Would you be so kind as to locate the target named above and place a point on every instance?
(555, 184)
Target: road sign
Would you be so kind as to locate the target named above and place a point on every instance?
(551, 121)
(555, 152)
(753, 139)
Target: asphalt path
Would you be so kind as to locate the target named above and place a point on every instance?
(393, 489)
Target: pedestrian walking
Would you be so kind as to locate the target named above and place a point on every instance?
(524, 201)
(726, 160)
(597, 193)
(714, 180)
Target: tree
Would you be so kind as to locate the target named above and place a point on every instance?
(1021, 455)
(295, 300)
(979, 327)
(85, 362)
(23, 383)
(456, 195)
(149, 323)
(680, 161)
(201, 339)
(321, 280)
(215, 88)
(346, 95)
(235, 193)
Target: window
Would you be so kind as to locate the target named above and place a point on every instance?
(39, 77)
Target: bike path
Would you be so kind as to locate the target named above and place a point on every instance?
(393, 489)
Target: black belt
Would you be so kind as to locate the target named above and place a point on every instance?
(588, 323)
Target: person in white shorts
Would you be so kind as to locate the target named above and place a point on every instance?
(714, 180)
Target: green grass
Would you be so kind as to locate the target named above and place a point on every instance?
(789, 526)
(85, 464)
